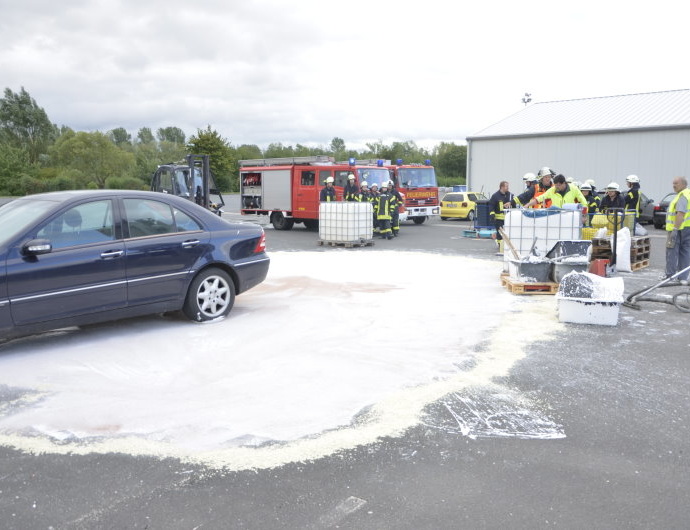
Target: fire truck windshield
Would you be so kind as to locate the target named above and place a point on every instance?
(417, 177)
(374, 176)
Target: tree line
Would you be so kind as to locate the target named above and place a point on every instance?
(36, 155)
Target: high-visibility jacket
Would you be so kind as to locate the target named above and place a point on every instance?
(671, 214)
(540, 189)
(571, 195)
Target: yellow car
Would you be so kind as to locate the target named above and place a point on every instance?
(460, 205)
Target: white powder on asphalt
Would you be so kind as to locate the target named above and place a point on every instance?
(326, 336)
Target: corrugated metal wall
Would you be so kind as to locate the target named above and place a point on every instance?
(655, 156)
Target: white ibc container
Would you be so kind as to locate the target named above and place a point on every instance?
(548, 226)
(345, 222)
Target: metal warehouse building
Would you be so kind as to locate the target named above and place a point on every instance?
(604, 139)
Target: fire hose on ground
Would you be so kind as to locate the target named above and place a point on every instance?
(680, 300)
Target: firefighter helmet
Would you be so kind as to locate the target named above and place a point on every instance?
(613, 186)
(585, 187)
(351, 176)
(529, 177)
(329, 180)
(591, 182)
(374, 185)
(384, 185)
(545, 171)
(364, 184)
(633, 179)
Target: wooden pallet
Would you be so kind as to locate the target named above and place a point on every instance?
(640, 250)
(636, 266)
(346, 244)
(516, 287)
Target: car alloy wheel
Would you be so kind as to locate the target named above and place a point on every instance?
(211, 295)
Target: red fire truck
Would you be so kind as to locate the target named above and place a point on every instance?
(417, 182)
(287, 189)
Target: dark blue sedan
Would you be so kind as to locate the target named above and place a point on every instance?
(80, 257)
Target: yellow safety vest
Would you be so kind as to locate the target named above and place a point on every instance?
(671, 214)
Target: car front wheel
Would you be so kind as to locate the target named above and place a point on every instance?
(211, 295)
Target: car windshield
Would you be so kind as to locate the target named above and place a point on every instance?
(18, 215)
(417, 177)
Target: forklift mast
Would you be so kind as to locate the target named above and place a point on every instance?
(192, 180)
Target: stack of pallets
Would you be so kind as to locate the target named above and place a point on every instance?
(639, 251)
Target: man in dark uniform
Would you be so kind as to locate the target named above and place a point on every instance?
(498, 204)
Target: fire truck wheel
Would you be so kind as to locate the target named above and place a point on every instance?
(280, 222)
(211, 295)
(419, 220)
(311, 224)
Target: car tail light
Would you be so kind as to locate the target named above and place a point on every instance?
(261, 245)
(657, 208)
(464, 205)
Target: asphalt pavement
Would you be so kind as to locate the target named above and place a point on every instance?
(620, 395)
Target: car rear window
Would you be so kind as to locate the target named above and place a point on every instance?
(454, 197)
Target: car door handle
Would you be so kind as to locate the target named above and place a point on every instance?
(191, 243)
(112, 254)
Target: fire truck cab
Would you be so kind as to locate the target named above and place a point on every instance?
(417, 182)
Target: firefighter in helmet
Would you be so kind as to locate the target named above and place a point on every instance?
(530, 181)
(544, 184)
(364, 193)
(328, 192)
(383, 206)
(351, 191)
(395, 212)
(373, 194)
(632, 198)
(592, 201)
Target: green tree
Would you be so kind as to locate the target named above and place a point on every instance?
(120, 137)
(450, 161)
(95, 157)
(14, 163)
(248, 152)
(278, 150)
(25, 125)
(174, 135)
(145, 136)
(222, 160)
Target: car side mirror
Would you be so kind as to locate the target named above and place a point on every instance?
(36, 247)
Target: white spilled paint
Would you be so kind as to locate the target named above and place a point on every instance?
(335, 349)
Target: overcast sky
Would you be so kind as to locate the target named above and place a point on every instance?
(263, 71)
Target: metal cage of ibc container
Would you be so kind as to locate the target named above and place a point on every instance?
(346, 222)
(538, 230)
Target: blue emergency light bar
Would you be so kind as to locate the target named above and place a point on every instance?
(352, 161)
